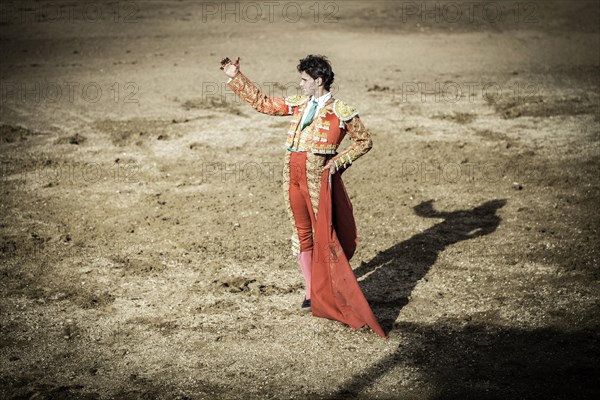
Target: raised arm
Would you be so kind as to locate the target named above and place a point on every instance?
(247, 91)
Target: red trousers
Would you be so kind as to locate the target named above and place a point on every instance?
(300, 202)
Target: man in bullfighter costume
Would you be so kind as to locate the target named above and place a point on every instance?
(315, 196)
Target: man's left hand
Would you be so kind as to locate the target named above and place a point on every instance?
(331, 165)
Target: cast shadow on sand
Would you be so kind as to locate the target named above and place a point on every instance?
(451, 360)
(465, 360)
(389, 278)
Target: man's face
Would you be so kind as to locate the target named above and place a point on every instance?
(309, 85)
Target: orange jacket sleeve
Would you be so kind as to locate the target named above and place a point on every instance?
(361, 146)
(247, 91)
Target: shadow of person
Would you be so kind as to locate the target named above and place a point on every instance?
(389, 278)
(482, 361)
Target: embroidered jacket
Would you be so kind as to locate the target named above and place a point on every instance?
(323, 135)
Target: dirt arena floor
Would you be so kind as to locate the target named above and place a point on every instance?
(144, 239)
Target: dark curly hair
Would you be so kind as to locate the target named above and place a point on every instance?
(317, 67)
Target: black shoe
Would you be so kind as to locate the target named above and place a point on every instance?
(306, 304)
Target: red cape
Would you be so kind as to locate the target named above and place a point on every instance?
(335, 293)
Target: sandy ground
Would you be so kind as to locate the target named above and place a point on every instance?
(144, 241)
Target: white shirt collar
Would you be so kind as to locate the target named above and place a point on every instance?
(322, 100)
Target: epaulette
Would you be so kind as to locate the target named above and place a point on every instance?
(295, 100)
(344, 111)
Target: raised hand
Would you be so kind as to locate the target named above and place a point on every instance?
(230, 68)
